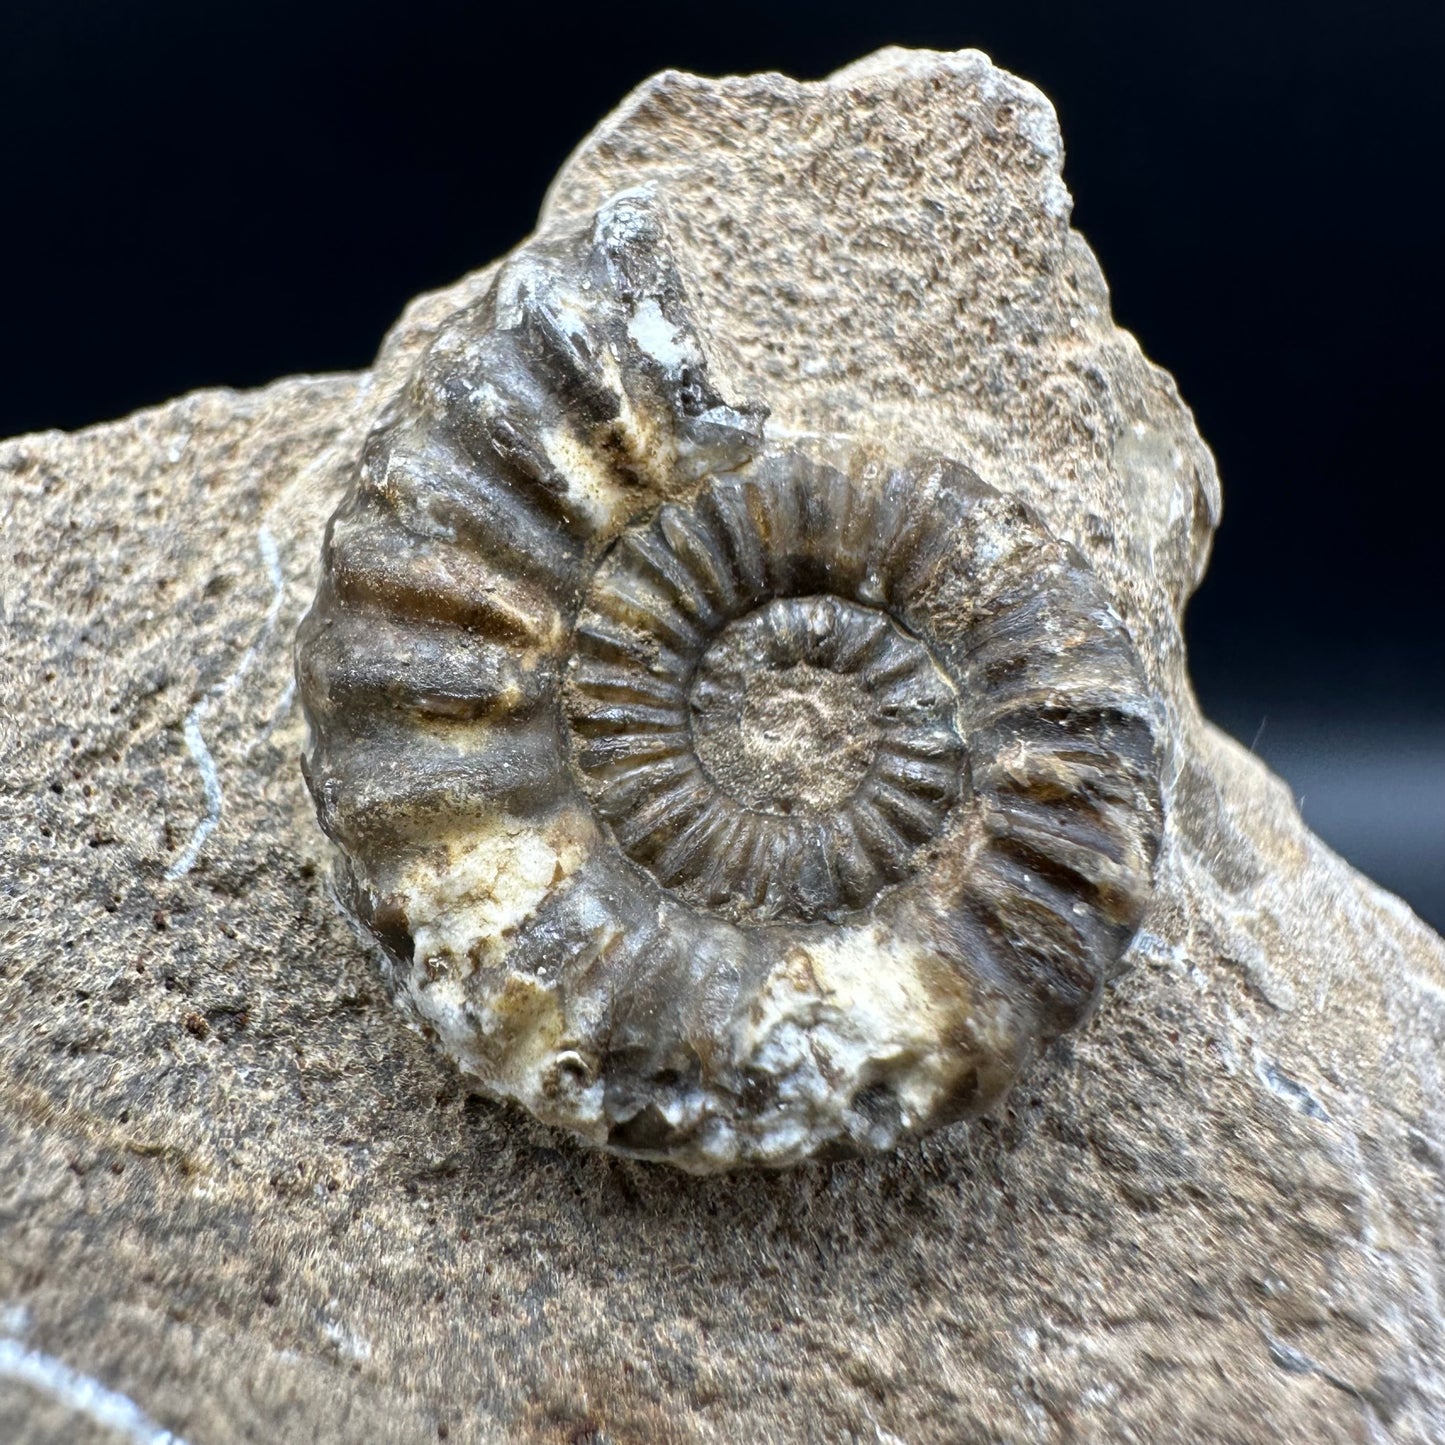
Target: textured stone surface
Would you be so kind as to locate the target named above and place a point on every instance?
(236, 1189)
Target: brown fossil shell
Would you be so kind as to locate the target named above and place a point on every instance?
(714, 800)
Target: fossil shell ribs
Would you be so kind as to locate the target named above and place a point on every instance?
(712, 800)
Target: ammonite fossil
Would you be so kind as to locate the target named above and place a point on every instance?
(714, 798)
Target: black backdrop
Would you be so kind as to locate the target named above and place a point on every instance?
(199, 193)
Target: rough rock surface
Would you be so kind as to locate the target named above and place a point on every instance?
(235, 1190)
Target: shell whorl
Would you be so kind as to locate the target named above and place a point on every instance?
(714, 800)
(761, 738)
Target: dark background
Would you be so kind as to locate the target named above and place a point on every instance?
(199, 193)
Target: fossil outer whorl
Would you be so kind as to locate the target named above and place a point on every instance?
(714, 799)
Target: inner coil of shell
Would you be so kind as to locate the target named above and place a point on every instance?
(714, 800)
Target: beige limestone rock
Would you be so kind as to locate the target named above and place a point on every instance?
(236, 1192)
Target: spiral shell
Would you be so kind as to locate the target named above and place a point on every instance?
(716, 799)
